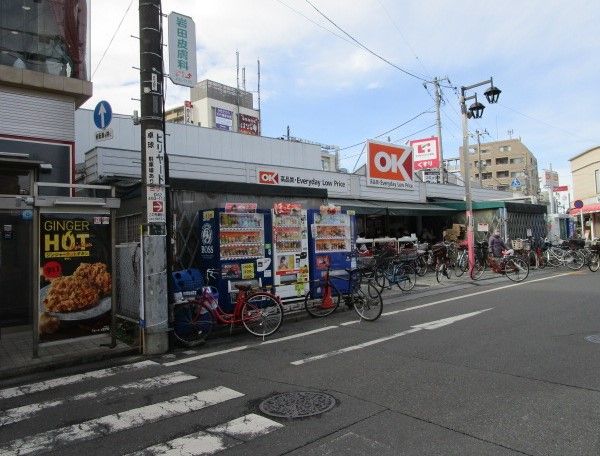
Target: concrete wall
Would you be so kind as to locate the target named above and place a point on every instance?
(583, 170)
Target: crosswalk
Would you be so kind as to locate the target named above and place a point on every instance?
(20, 404)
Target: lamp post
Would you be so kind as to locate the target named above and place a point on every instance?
(476, 111)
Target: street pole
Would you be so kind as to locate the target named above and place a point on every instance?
(478, 133)
(438, 102)
(467, 182)
(154, 185)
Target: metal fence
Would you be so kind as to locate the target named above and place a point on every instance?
(128, 281)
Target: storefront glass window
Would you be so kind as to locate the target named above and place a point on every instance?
(49, 36)
(15, 182)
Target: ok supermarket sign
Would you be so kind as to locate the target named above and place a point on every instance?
(389, 166)
(426, 153)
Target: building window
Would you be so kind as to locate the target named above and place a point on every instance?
(486, 175)
(503, 187)
(325, 165)
(502, 161)
(517, 174)
(484, 151)
(502, 174)
(516, 161)
(597, 173)
(504, 148)
(14, 181)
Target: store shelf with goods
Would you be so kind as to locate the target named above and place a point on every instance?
(331, 238)
(241, 244)
(226, 229)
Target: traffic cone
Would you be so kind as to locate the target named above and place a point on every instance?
(327, 301)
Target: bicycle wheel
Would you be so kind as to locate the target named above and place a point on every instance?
(193, 323)
(516, 269)
(540, 261)
(367, 301)
(406, 277)
(380, 278)
(443, 272)
(574, 260)
(322, 298)
(478, 269)
(531, 259)
(462, 264)
(593, 261)
(421, 266)
(262, 314)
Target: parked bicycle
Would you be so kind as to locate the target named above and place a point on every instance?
(445, 254)
(257, 310)
(512, 266)
(563, 256)
(324, 297)
(399, 271)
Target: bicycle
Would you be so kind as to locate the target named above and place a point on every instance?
(512, 266)
(446, 255)
(324, 297)
(591, 258)
(260, 312)
(400, 271)
(563, 256)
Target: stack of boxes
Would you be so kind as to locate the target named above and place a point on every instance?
(456, 233)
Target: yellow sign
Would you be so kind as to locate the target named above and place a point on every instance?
(247, 271)
(208, 215)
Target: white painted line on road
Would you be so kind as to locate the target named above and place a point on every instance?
(429, 325)
(295, 336)
(71, 379)
(348, 323)
(102, 427)
(242, 429)
(27, 411)
(477, 293)
(206, 355)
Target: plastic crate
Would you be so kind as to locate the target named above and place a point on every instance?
(187, 280)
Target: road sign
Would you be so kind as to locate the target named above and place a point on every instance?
(578, 204)
(561, 188)
(516, 183)
(102, 114)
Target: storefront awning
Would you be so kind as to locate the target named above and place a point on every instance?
(587, 209)
(364, 207)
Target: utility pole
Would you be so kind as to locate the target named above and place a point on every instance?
(438, 102)
(154, 313)
(479, 166)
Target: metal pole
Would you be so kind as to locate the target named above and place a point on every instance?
(152, 137)
(438, 101)
(467, 181)
(479, 156)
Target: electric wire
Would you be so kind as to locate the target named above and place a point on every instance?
(369, 50)
(112, 38)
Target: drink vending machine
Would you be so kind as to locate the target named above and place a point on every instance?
(290, 251)
(331, 241)
(235, 241)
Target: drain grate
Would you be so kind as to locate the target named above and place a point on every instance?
(595, 339)
(297, 404)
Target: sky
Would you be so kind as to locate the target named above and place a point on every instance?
(543, 55)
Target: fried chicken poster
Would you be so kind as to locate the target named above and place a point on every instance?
(75, 275)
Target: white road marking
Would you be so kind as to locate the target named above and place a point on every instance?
(206, 355)
(295, 336)
(429, 325)
(352, 322)
(71, 379)
(213, 440)
(101, 427)
(477, 293)
(27, 411)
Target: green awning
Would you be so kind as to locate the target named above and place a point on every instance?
(371, 207)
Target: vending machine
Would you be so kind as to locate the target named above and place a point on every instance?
(290, 251)
(235, 242)
(331, 241)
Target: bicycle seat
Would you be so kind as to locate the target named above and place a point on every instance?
(243, 287)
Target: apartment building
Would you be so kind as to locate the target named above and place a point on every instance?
(500, 164)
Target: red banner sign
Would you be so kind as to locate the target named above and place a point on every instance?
(426, 153)
(248, 124)
(287, 208)
(241, 208)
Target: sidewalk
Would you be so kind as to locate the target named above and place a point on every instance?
(16, 353)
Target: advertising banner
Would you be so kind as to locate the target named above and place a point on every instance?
(248, 124)
(75, 275)
(426, 153)
(188, 113)
(182, 50)
(389, 166)
(549, 179)
(223, 119)
(334, 183)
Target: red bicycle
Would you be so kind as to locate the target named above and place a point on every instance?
(259, 311)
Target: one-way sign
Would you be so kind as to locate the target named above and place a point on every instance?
(102, 114)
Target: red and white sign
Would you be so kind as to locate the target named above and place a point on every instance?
(287, 208)
(549, 179)
(268, 177)
(561, 188)
(241, 208)
(155, 204)
(426, 153)
(389, 166)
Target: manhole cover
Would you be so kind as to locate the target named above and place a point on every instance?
(595, 339)
(298, 404)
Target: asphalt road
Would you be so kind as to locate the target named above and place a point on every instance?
(497, 369)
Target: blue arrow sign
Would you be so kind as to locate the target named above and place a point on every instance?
(102, 114)
(516, 183)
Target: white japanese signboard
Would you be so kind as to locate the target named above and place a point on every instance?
(182, 50)
(155, 176)
(155, 204)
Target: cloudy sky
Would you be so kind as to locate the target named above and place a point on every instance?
(543, 55)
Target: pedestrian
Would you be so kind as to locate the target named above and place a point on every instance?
(496, 244)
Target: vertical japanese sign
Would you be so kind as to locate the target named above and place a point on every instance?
(223, 119)
(182, 50)
(75, 275)
(155, 176)
(188, 112)
(426, 153)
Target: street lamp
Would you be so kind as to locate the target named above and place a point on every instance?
(476, 111)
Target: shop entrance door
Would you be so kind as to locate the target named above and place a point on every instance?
(15, 267)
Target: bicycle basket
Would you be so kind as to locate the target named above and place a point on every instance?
(439, 250)
(408, 254)
(187, 281)
(517, 244)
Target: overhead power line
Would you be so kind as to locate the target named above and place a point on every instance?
(370, 51)
(390, 130)
(112, 39)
